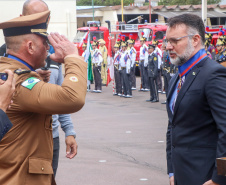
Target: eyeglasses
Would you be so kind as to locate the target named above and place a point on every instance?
(173, 41)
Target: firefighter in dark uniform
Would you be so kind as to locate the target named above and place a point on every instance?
(166, 66)
(152, 74)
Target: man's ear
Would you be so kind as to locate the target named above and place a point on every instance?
(30, 47)
(196, 39)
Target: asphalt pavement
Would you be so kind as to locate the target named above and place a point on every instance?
(121, 141)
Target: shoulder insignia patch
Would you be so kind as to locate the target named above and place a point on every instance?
(155, 58)
(21, 71)
(30, 82)
(73, 79)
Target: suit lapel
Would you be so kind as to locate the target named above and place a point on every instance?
(188, 81)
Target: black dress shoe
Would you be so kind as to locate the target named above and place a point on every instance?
(150, 100)
(153, 101)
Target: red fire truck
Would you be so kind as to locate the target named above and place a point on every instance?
(93, 29)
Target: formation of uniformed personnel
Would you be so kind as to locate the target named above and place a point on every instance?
(27, 149)
(152, 73)
(143, 60)
(104, 64)
(132, 53)
(125, 65)
(97, 59)
(117, 71)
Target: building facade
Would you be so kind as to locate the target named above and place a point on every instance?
(63, 15)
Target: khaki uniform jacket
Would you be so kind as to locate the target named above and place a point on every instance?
(26, 151)
(104, 53)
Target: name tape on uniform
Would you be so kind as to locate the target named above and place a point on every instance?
(30, 82)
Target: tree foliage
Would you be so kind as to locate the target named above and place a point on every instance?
(103, 2)
(186, 2)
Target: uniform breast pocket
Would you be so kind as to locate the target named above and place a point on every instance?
(48, 122)
(40, 171)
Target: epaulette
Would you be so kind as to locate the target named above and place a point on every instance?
(21, 71)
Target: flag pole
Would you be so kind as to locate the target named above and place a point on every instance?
(149, 11)
(93, 9)
(122, 10)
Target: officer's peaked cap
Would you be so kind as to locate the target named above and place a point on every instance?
(34, 23)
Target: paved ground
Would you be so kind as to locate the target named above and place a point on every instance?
(121, 142)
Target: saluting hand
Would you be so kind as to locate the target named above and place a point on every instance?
(62, 47)
(71, 147)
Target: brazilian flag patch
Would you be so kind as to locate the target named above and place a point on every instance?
(30, 82)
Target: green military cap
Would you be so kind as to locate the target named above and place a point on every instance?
(35, 23)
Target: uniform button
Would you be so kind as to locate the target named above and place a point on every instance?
(173, 146)
(42, 169)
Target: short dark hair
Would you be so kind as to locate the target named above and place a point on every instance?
(190, 20)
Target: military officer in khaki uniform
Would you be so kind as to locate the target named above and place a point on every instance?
(27, 149)
(104, 64)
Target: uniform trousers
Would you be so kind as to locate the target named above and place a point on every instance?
(118, 83)
(97, 77)
(104, 73)
(153, 88)
(143, 74)
(56, 149)
(126, 84)
(166, 77)
(159, 79)
(132, 76)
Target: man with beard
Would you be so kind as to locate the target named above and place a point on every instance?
(196, 106)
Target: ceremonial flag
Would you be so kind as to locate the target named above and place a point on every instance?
(110, 71)
(88, 58)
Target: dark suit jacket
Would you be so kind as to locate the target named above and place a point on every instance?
(152, 65)
(5, 124)
(196, 133)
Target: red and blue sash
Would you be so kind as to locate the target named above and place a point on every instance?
(185, 68)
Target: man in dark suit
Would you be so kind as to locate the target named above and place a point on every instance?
(6, 92)
(196, 106)
(152, 68)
